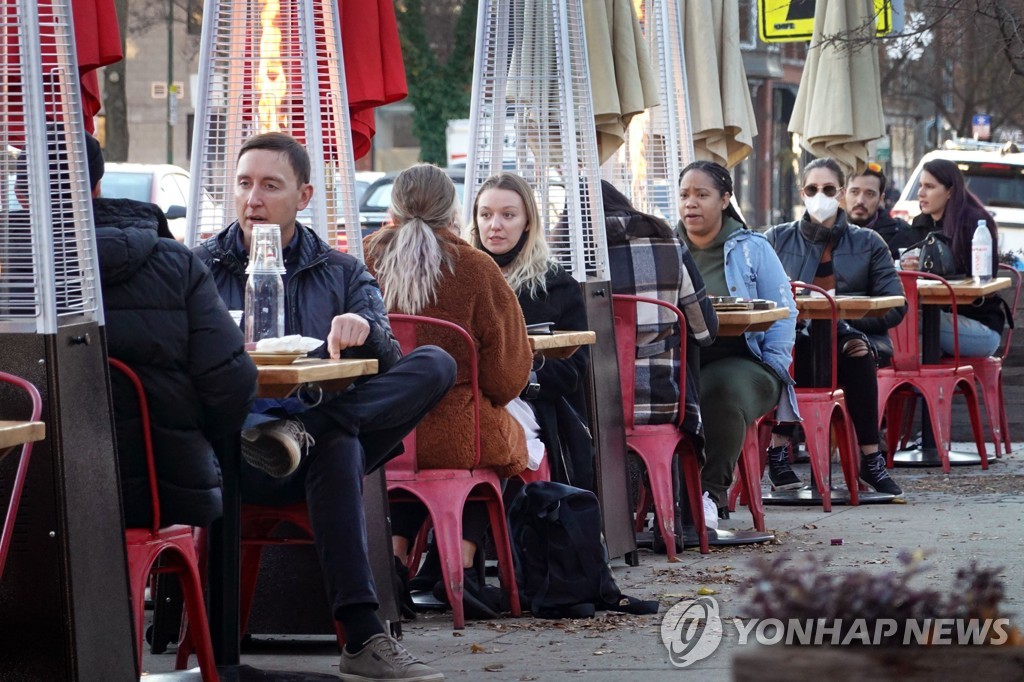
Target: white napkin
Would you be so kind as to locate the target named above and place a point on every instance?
(288, 344)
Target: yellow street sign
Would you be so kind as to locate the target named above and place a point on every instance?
(792, 21)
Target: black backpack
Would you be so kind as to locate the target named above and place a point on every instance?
(560, 559)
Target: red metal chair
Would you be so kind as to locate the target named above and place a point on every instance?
(746, 488)
(173, 543)
(823, 410)
(936, 383)
(18, 482)
(988, 372)
(445, 491)
(259, 528)
(657, 444)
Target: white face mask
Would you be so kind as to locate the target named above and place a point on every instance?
(821, 207)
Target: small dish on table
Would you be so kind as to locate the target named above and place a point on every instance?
(276, 357)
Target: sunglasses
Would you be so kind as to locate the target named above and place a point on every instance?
(827, 190)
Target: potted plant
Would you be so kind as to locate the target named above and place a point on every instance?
(861, 624)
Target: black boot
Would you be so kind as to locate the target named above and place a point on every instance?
(405, 604)
(780, 473)
(430, 570)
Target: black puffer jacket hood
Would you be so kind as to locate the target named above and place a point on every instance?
(165, 320)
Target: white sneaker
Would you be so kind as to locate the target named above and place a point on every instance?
(276, 447)
(710, 513)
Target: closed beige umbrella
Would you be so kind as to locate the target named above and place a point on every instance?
(721, 114)
(623, 82)
(838, 107)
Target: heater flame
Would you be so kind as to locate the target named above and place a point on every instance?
(271, 79)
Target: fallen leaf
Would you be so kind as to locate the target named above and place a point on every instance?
(494, 668)
(705, 591)
(477, 649)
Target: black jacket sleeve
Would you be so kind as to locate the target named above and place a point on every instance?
(883, 281)
(562, 377)
(364, 299)
(223, 373)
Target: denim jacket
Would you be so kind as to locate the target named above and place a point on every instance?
(753, 270)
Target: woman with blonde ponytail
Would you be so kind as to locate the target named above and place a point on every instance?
(425, 268)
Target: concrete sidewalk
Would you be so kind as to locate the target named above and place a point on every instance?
(969, 515)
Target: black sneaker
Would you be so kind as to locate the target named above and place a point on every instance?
(874, 474)
(780, 473)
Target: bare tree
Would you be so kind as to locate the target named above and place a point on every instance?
(954, 59)
(115, 103)
(135, 17)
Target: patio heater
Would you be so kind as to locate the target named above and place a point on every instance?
(658, 143)
(273, 66)
(278, 66)
(532, 114)
(64, 608)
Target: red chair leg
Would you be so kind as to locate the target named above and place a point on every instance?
(991, 381)
(195, 608)
(448, 536)
(818, 441)
(849, 455)
(691, 475)
(643, 507)
(659, 475)
(502, 544)
(971, 396)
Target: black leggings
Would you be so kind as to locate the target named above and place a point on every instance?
(857, 376)
(408, 518)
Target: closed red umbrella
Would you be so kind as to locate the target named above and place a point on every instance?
(374, 72)
(97, 43)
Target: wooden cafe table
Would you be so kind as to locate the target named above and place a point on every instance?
(933, 296)
(819, 312)
(274, 381)
(732, 322)
(560, 345)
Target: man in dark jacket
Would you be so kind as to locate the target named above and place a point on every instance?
(164, 319)
(824, 249)
(865, 207)
(328, 295)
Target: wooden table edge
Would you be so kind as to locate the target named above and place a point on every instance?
(14, 433)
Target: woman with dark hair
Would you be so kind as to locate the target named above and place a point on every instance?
(505, 225)
(425, 268)
(645, 259)
(947, 206)
(825, 249)
(741, 377)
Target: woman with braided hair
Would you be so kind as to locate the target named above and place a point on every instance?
(741, 377)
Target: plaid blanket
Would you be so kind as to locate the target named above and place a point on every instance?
(664, 269)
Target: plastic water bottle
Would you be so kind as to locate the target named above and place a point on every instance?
(981, 253)
(264, 290)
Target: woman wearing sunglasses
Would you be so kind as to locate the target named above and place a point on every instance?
(825, 249)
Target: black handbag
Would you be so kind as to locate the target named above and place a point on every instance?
(937, 256)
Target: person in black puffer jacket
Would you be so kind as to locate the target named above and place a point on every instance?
(165, 320)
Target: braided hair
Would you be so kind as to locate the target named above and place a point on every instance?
(720, 178)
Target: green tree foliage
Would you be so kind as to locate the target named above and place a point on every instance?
(438, 92)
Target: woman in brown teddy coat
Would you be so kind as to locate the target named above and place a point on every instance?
(424, 268)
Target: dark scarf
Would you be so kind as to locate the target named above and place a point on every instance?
(506, 259)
